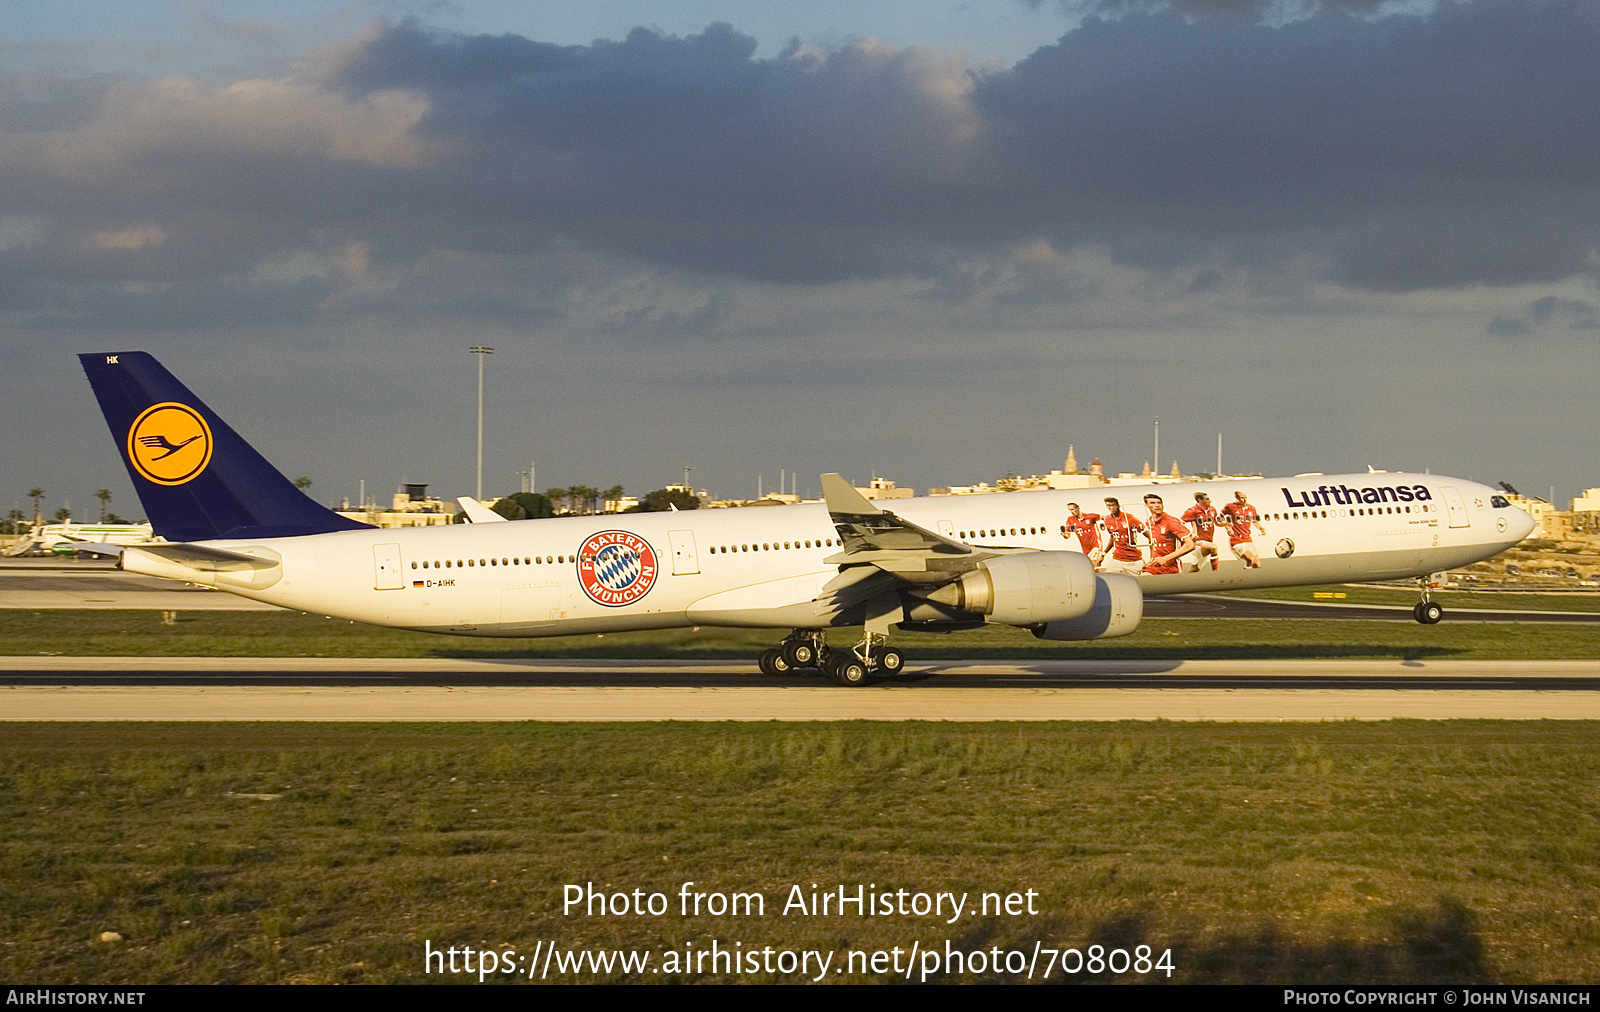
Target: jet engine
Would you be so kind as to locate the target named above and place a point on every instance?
(1118, 607)
(1028, 589)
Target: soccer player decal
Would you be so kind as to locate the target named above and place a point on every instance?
(1240, 515)
(1202, 516)
(1121, 552)
(1086, 528)
(1170, 538)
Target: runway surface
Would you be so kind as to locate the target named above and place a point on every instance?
(62, 688)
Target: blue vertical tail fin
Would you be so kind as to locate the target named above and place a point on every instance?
(198, 480)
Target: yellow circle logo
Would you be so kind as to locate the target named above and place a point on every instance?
(169, 443)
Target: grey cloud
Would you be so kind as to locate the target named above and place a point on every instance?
(1549, 311)
(1462, 139)
(1404, 151)
(1399, 152)
(1276, 10)
(44, 101)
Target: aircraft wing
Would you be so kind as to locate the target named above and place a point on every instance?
(874, 537)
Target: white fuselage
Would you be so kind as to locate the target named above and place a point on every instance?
(764, 566)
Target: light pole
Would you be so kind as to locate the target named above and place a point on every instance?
(480, 351)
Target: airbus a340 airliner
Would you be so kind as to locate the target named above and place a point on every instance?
(1056, 562)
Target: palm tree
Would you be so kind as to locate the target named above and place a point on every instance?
(104, 495)
(36, 494)
(586, 496)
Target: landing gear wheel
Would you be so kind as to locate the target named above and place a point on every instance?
(890, 661)
(849, 671)
(1427, 612)
(772, 662)
(800, 654)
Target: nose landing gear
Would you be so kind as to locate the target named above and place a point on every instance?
(1427, 611)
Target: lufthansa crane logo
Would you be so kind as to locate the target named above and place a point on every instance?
(616, 568)
(169, 443)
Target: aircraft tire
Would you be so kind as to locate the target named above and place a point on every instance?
(800, 654)
(772, 662)
(849, 672)
(891, 661)
(1428, 612)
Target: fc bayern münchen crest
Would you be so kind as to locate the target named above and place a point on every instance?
(616, 568)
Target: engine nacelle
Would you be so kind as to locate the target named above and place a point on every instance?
(1118, 608)
(1025, 590)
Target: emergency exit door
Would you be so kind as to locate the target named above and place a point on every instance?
(386, 566)
(685, 560)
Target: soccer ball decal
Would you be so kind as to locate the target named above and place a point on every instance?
(616, 568)
(1284, 548)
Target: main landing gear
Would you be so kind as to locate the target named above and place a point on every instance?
(858, 665)
(1426, 611)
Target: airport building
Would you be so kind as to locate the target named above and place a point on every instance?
(411, 507)
(1069, 477)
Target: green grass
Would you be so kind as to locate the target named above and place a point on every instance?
(290, 634)
(1353, 852)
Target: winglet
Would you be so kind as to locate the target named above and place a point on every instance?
(477, 512)
(843, 499)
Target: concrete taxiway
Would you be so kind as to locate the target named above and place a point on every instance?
(319, 689)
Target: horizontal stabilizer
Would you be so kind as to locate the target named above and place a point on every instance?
(204, 559)
(96, 547)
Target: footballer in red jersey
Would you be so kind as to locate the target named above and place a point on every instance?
(1122, 529)
(1240, 515)
(1170, 538)
(1202, 516)
(1085, 525)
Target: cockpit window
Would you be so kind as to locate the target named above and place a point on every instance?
(1499, 502)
